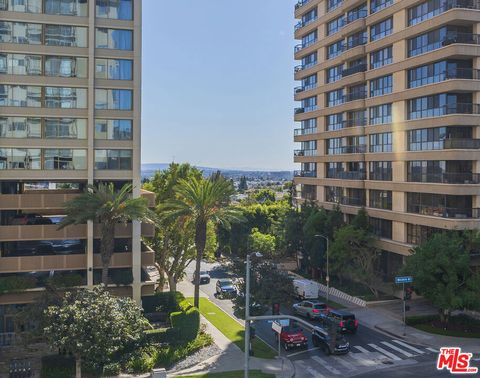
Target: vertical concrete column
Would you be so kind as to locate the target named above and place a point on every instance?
(320, 193)
(400, 20)
(399, 51)
(321, 143)
(321, 124)
(322, 8)
(137, 103)
(399, 232)
(321, 32)
(91, 130)
(398, 202)
(321, 78)
(321, 170)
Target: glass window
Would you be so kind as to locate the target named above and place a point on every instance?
(113, 129)
(417, 234)
(357, 39)
(114, 69)
(381, 227)
(66, 35)
(309, 60)
(113, 99)
(20, 127)
(381, 142)
(381, 29)
(67, 7)
(65, 66)
(20, 95)
(113, 159)
(335, 49)
(26, 33)
(381, 57)
(380, 199)
(116, 9)
(334, 73)
(114, 39)
(21, 64)
(376, 5)
(26, 6)
(20, 158)
(335, 25)
(427, 42)
(335, 98)
(334, 121)
(426, 10)
(380, 170)
(65, 128)
(65, 159)
(332, 4)
(381, 86)
(380, 114)
(67, 98)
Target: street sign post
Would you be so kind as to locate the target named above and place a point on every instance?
(403, 280)
(277, 327)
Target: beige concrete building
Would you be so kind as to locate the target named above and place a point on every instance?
(389, 114)
(70, 103)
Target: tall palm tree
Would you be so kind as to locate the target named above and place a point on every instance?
(106, 206)
(201, 201)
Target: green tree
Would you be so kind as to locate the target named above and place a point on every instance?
(263, 243)
(106, 207)
(93, 325)
(443, 273)
(201, 201)
(264, 196)
(242, 185)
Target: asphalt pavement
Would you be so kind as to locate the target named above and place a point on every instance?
(372, 354)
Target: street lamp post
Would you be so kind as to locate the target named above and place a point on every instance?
(247, 312)
(328, 274)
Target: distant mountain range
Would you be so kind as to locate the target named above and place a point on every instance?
(149, 169)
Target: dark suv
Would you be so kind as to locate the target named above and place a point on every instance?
(330, 342)
(344, 320)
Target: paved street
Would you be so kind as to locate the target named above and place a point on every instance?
(370, 349)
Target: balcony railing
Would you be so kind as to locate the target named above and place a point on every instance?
(467, 4)
(380, 175)
(355, 96)
(355, 69)
(355, 16)
(305, 173)
(461, 144)
(444, 212)
(301, 24)
(312, 152)
(462, 73)
(304, 45)
(346, 175)
(355, 122)
(352, 201)
(457, 37)
(302, 67)
(356, 149)
(461, 108)
(304, 88)
(354, 42)
(306, 109)
(301, 3)
(445, 177)
(308, 131)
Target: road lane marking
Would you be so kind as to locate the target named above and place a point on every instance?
(326, 365)
(408, 346)
(309, 369)
(341, 361)
(385, 352)
(302, 351)
(364, 361)
(432, 350)
(397, 349)
(361, 349)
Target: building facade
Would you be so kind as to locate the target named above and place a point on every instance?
(389, 115)
(70, 103)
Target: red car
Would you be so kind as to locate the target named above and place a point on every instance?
(291, 335)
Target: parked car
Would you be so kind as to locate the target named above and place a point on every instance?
(310, 309)
(204, 277)
(225, 288)
(330, 343)
(344, 320)
(305, 289)
(291, 335)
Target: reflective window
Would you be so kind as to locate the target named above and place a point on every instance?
(309, 60)
(380, 114)
(113, 159)
(20, 127)
(335, 49)
(380, 199)
(66, 35)
(381, 86)
(380, 170)
(441, 104)
(381, 142)
(335, 25)
(65, 66)
(113, 99)
(20, 64)
(26, 6)
(114, 69)
(67, 7)
(334, 73)
(113, 129)
(381, 30)
(114, 39)
(381, 57)
(426, 10)
(335, 97)
(20, 95)
(65, 128)
(332, 4)
(21, 32)
(376, 5)
(65, 159)
(69, 98)
(116, 9)
(20, 158)
(334, 121)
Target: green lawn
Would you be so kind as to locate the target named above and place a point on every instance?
(232, 329)
(231, 374)
(332, 304)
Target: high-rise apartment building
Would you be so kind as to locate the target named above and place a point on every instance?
(389, 115)
(70, 78)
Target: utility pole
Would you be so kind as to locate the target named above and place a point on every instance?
(328, 272)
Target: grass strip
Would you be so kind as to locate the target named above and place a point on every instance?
(232, 329)
(231, 374)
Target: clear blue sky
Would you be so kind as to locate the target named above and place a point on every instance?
(218, 83)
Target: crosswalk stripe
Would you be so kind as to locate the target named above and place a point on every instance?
(385, 352)
(310, 370)
(361, 349)
(360, 358)
(326, 365)
(397, 349)
(343, 362)
(432, 350)
(408, 346)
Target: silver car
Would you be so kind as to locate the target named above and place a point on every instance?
(310, 309)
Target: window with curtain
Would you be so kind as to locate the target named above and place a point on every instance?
(114, 69)
(117, 39)
(115, 9)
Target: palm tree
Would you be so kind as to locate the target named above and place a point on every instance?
(201, 201)
(106, 206)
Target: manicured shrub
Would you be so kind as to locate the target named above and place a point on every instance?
(16, 283)
(162, 302)
(56, 366)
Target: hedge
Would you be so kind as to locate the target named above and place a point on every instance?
(420, 319)
(186, 323)
(162, 302)
(17, 283)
